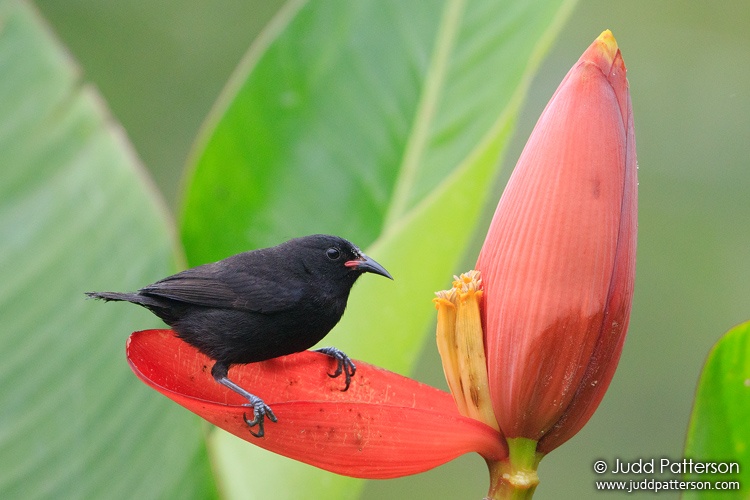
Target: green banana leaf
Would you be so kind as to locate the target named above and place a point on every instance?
(719, 431)
(384, 123)
(77, 213)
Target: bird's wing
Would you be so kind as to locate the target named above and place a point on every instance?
(238, 290)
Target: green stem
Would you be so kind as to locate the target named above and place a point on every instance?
(515, 477)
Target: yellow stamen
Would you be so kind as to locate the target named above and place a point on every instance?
(461, 345)
(446, 343)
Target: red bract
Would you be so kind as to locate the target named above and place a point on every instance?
(558, 263)
(384, 426)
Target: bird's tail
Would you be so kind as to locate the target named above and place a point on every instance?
(135, 298)
(107, 296)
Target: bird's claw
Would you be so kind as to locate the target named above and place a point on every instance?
(260, 411)
(344, 365)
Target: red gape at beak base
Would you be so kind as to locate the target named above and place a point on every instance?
(368, 265)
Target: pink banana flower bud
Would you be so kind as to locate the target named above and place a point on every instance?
(558, 263)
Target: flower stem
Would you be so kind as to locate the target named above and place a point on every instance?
(515, 477)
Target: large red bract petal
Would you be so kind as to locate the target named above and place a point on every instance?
(384, 426)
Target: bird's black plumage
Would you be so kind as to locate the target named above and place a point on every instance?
(260, 304)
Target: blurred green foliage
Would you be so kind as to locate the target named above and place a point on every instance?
(73, 204)
(160, 66)
(719, 424)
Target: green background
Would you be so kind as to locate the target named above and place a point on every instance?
(160, 66)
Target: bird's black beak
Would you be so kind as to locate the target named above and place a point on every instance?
(367, 265)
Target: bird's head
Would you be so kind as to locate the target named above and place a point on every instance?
(336, 256)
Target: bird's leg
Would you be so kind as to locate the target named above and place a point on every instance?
(344, 365)
(260, 409)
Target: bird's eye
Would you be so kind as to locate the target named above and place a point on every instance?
(333, 253)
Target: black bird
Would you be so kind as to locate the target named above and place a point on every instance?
(260, 305)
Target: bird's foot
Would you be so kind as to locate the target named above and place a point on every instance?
(345, 365)
(260, 411)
